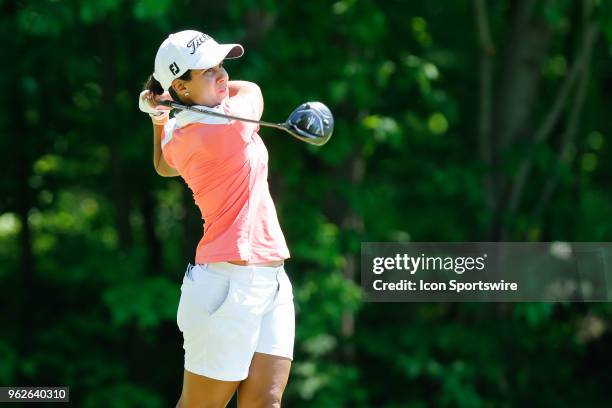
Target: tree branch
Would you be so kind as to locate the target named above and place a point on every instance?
(524, 53)
(543, 133)
(545, 129)
(569, 135)
(525, 50)
(486, 106)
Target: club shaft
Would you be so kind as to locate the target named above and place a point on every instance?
(222, 115)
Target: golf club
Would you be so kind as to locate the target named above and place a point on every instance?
(311, 122)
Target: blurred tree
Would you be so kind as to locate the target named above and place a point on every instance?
(455, 121)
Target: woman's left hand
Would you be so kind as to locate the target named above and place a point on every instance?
(148, 102)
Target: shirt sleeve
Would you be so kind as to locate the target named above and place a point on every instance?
(243, 107)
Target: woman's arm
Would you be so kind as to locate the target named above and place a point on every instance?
(161, 166)
(252, 92)
(148, 103)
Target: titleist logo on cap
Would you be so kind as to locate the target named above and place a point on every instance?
(196, 41)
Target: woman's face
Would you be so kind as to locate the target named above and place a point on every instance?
(207, 87)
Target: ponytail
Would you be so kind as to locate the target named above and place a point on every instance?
(154, 86)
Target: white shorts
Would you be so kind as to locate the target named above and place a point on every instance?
(227, 312)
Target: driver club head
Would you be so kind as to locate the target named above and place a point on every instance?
(311, 122)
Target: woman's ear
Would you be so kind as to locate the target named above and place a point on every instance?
(179, 86)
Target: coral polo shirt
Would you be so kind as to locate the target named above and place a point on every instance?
(225, 164)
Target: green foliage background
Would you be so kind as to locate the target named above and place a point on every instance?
(436, 116)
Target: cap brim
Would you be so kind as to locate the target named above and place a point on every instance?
(235, 50)
(215, 57)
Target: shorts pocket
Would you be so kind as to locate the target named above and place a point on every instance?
(217, 304)
(285, 288)
(201, 299)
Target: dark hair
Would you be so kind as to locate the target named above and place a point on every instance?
(154, 86)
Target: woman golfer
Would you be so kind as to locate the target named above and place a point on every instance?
(236, 308)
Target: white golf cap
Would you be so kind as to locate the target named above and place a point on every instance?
(187, 50)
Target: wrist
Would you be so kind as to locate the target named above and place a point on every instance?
(160, 119)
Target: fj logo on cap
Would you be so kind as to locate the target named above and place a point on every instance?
(196, 41)
(174, 68)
